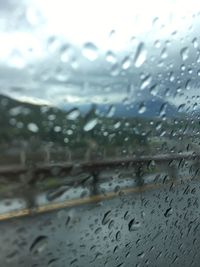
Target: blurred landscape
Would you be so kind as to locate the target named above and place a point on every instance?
(34, 133)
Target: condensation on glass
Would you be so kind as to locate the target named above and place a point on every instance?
(99, 133)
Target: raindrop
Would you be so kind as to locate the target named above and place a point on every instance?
(163, 109)
(111, 57)
(126, 63)
(53, 194)
(116, 248)
(90, 125)
(73, 114)
(90, 51)
(195, 42)
(115, 70)
(112, 34)
(12, 256)
(198, 58)
(157, 44)
(142, 108)
(52, 263)
(73, 261)
(111, 111)
(111, 224)
(106, 217)
(190, 71)
(66, 53)
(164, 53)
(98, 230)
(133, 225)
(151, 165)
(168, 212)
(184, 53)
(141, 255)
(171, 77)
(117, 125)
(140, 56)
(57, 129)
(118, 236)
(154, 90)
(188, 84)
(69, 132)
(53, 44)
(39, 245)
(126, 215)
(181, 108)
(183, 67)
(194, 107)
(33, 127)
(146, 82)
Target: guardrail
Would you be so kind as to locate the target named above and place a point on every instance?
(94, 168)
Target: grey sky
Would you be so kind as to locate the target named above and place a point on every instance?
(32, 68)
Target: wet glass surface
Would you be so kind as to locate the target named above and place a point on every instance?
(99, 129)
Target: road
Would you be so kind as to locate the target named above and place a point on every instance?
(147, 226)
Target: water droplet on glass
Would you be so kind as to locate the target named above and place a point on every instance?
(67, 221)
(195, 42)
(53, 44)
(181, 108)
(142, 108)
(133, 225)
(33, 127)
(154, 90)
(126, 215)
(126, 63)
(53, 263)
(140, 56)
(157, 44)
(106, 217)
(168, 212)
(98, 230)
(90, 51)
(39, 245)
(164, 53)
(73, 114)
(90, 125)
(183, 67)
(12, 256)
(66, 53)
(188, 85)
(117, 125)
(111, 111)
(118, 236)
(111, 57)
(112, 33)
(56, 193)
(115, 70)
(163, 109)
(141, 255)
(146, 82)
(171, 77)
(184, 53)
